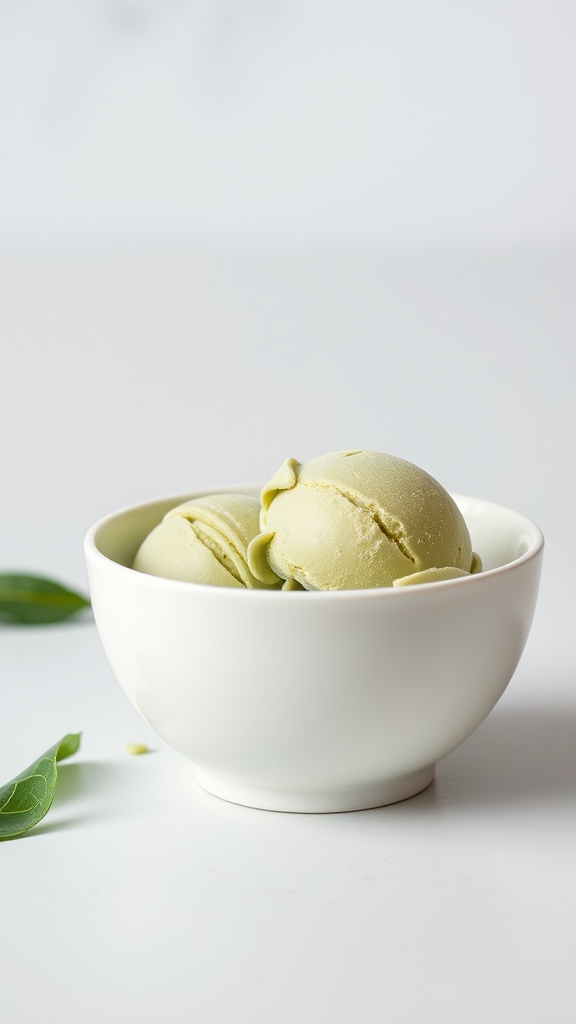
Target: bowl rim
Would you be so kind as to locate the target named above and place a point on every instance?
(93, 554)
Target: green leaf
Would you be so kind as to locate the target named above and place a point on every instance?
(35, 600)
(25, 800)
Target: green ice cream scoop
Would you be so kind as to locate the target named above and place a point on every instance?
(357, 519)
(204, 541)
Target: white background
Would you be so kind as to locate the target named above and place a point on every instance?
(230, 233)
(275, 121)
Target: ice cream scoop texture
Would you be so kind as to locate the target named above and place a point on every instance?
(347, 520)
(204, 541)
(358, 519)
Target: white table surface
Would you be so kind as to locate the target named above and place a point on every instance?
(140, 896)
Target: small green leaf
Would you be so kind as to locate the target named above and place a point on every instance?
(25, 800)
(35, 600)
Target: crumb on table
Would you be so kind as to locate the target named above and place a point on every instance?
(137, 748)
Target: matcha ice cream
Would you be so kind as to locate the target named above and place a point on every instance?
(204, 541)
(357, 519)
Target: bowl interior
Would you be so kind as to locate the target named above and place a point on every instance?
(498, 534)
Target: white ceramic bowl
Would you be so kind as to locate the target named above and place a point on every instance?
(300, 701)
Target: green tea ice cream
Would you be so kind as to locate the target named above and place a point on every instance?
(357, 519)
(204, 541)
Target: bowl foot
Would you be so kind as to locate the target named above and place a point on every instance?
(316, 801)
